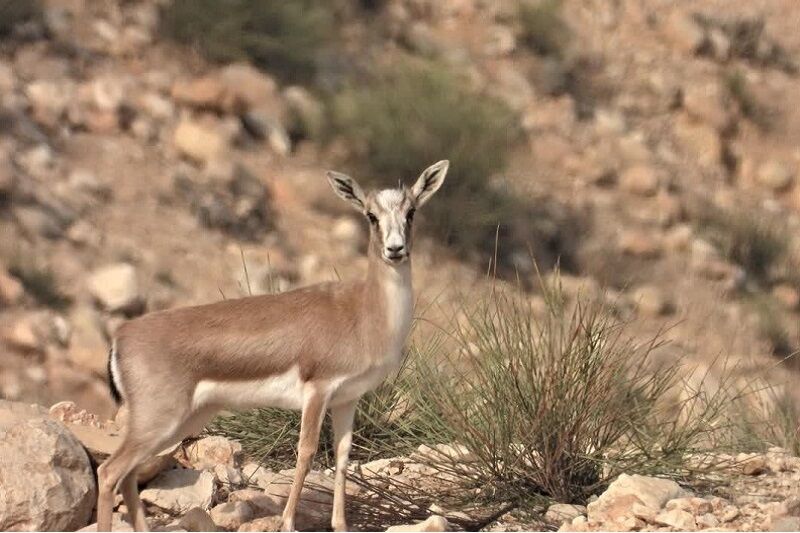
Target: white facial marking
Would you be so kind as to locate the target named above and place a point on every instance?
(392, 221)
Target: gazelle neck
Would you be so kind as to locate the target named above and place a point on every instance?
(392, 285)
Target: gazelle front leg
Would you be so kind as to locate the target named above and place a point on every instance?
(342, 418)
(314, 405)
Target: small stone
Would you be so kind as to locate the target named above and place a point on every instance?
(116, 287)
(678, 519)
(705, 102)
(203, 93)
(558, 513)
(775, 175)
(24, 335)
(197, 519)
(267, 523)
(11, 290)
(651, 301)
(231, 515)
(787, 295)
(88, 347)
(641, 180)
(199, 141)
(306, 113)
(707, 520)
(177, 491)
(700, 140)
(752, 464)
(433, 523)
(209, 452)
(720, 44)
(729, 514)
(640, 244)
(684, 32)
(260, 502)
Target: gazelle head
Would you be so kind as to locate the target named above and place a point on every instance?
(390, 211)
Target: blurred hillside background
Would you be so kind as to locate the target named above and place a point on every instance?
(164, 153)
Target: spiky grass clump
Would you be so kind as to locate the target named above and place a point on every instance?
(283, 37)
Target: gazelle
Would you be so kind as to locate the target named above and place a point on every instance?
(315, 348)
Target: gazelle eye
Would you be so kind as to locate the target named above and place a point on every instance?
(372, 218)
(410, 215)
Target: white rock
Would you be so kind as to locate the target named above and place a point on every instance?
(177, 491)
(231, 515)
(46, 480)
(115, 287)
(209, 452)
(432, 523)
(558, 513)
(199, 141)
(616, 502)
(197, 519)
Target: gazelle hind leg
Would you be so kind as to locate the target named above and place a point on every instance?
(314, 404)
(342, 419)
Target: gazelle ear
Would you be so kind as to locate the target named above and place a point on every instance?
(347, 189)
(429, 181)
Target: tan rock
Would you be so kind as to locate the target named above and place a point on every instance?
(177, 491)
(200, 142)
(23, 335)
(641, 180)
(118, 523)
(231, 515)
(267, 523)
(775, 175)
(701, 140)
(683, 31)
(432, 523)
(787, 295)
(558, 513)
(204, 93)
(705, 103)
(639, 243)
(616, 502)
(197, 519)
(651, 301)
(11, 290)
(115, 287)
(249, 87)
(209, 452)
(88, 347)
(46, 480)
(678, 519)
(752, 464)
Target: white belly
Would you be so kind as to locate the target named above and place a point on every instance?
(355, 387)
(284, 390)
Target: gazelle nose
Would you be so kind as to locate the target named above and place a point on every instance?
(395, 249)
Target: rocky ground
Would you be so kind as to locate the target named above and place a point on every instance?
(48, 483)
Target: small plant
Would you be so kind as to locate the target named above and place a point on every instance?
(40, 283)
(749, 106)
(282, 37)
(543, 27)
(755, 241)
(13, 12)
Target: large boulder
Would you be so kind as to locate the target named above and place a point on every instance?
(46, 480)
(616, 504)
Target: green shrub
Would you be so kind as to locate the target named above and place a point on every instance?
(754, 240)
(284, 38)
(543, 27)
(41, 283)
(407, 117)
(13, 12)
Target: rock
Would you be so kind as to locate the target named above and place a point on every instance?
(209, 452)
(46, 480)
(775, 175)
(118, 523)
(639, 244)
(558, 513)
(260, 503)
(501, 41)
(678, 519)
(204, 93)
(231, 515)
(228, 477)
(88, 347)
(115, 287)
(197, 519)
(268, 523)
(249, 87)
(787, 295)
(651, 301)
(684, 32)
(198, 141)
(306, 115)
(315, 500)
(349, 235)
(616, 502)
(25, 335)
(11, 290)
(720, 44)
(432, 523)
(49, 100)
(177, 491)
(700, 140)
(641, 180)
(752, 464)
(707, 520)
(454, 452)
(784, 523)
(705, 103)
